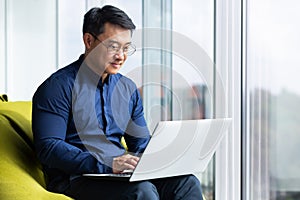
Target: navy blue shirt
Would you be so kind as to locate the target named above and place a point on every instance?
(78, 122)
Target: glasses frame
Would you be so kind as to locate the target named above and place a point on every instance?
(116, 51)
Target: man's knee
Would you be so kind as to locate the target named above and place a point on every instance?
(142, 191)
(193, 181)
(189, 188)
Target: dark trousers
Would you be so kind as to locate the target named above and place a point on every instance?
(173, 188)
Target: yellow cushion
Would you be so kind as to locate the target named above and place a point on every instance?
(21, 176)
(124, 143)
(20, 172)
(19, 115)
(21, 107)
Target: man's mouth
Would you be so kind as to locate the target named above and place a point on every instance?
(116, 65)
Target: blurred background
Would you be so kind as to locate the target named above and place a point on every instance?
(185, 49)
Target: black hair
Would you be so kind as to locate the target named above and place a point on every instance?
(95, 19)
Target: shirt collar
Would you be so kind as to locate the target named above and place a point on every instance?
(90, 74)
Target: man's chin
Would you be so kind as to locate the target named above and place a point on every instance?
(112, 71)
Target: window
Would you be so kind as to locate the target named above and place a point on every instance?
(178, 65)
(69, 30)
(273, 97)
(191, 77)
(29, 45)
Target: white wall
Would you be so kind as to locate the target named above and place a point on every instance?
(2, 47)
(30, 46)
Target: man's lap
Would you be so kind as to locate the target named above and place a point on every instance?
(181, 187)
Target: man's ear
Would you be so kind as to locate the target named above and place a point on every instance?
(88, 40)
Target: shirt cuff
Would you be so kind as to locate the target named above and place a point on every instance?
(106, 166)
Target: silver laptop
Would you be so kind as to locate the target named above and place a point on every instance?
(176, 148)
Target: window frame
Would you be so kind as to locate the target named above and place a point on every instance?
(228, 60)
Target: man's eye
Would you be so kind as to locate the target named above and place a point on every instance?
(114, 47)
(125, 49)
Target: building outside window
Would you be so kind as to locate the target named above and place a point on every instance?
(273, 93)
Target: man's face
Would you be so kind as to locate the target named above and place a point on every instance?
(102, 58)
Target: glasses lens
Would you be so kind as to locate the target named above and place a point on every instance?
(129, 50)
(115, 49)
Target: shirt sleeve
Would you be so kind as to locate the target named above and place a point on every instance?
(137, 133)
(50, 115)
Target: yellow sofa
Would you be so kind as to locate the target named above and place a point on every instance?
(21, 176)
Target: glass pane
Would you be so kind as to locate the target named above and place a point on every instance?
(2, 47)
(133, 66)
(273, 30)
(192, 67)
(156, 61)
(70, 21)
(31, 45)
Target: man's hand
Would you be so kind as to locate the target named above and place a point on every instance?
(124, 162)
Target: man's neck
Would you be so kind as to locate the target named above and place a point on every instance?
(104, 77)
(102, 74)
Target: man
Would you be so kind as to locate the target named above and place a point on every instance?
(81, 112)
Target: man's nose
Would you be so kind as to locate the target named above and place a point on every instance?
(120, 53)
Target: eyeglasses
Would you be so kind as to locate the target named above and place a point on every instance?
(114, 47)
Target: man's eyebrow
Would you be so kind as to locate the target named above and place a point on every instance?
(114, 41)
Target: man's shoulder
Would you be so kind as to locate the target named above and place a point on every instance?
(65, 74)
(60, 81)
(69, 71)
